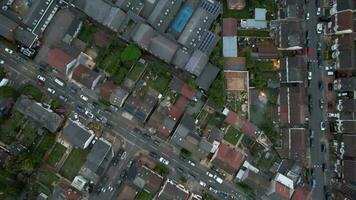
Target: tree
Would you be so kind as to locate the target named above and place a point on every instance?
(216, 91)
(192, 84)
(55, 104)
(161, 169)
(131, 53)
(185, 153)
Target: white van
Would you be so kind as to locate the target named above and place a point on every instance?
(4, 82)
(59, 82)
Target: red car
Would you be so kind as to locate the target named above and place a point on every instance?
(40, 83)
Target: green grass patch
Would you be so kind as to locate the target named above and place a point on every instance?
(160, 84)
(232, 136)
(87, 33)
(56, 154)
(73, 163)
(161, 169)
(47, 178)
(7, 92)
(136, 71)
(32, 91)
(252, 33)
(248, 11)
(39, 188)
(216, 92)
(143, 195)
(30, 135)
(10, 127)
(47, 142)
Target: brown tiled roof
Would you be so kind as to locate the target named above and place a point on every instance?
(229, 27)
(231, 118)
(58, 59)
(236, 81)
(177, 110)
(303, 192)
(106, 89)
(345, 20)
(187, 92)
(228, 159)
(298, 149)
(152, 180)
(127, 193)
(84, 75)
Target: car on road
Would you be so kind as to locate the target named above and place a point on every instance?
(318, 11)
(50, 90)
(320, 85)
(319, 28)
(310, 75)
(40, 83)
(85, 98)
(336, 115)
(218, 179)
(146, 136)
(108, 125)
(89, 114)
(41, 78)
(191, 163)
(213, 190)
(323, 148)
(123, 174)
(80, 109)
(10, 51)
(156, 142)
(73, 90)
(2, 62)
(342, 94)
(164, 161)
(322, 126)
(124, 155)
(63, 98)
(180, 170)
(209, 174)
(202, 183)
(307, 17)
(114, 108)
(153, 155)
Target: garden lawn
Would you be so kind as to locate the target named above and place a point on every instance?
(32, 91)
(10, 128)
(136, 71)
(47, 142)
(73, 163)
(56, 154)
(232, 136)
(143, 195)
(30, 135)
(47, 178)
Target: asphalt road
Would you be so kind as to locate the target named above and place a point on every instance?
(24, 70)
(317, 115)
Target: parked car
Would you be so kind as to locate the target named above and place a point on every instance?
(50, 90)
(191, 163)
(9, 51)
(89, 114)
(63, 98)
(85, 98)
(318, 11)
(164, 161)
(41, 78)
(180, 170)
(322, 125)
(80, 109)
(2, 62)
(209, 174)
(73, 90)
(307, 16)
(123, 155)
(319, 28)
(153, 155)
(156, 142)
(310, 75)
(202, 183)
(40, 83)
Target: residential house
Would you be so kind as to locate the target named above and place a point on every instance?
(342, 23)
(148, 180)
(298, 145)
(85, 77)
(259, 182)
(292, 105)
(141, 103)
(349, 171)
(228, 158)
(265, 53)
(161, 122)
(229, 33)
(259, 22)
(292, 10)
(65, 191)
(72, 31)
(344, 51)
(207, 77)
(171, 190)
(293, 69)
(107, 89)
(98, 160)
(290, 35)
(302, 192)
(185, 136)
(39, 113)
(77, 134)
(127, 192)
(60, 61)
(118, 96)
(343, 5)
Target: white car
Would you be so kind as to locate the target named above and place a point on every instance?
(318, 11)
(41, 78)
(327, 68)
(202, 183)
(191, 163)
(123, 156)
(89, 114)
(164, 161)
(319, 28)
(84, 97)
(9, 51)
(310, 75)
(322, 126)
(2, 62)
(336, 115)
(209, 174)
(307, 16)
(218, 179)
(50, 90)
(342, 94)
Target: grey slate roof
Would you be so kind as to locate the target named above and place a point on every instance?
(77, 134)
(197, 62)
(32, 109)
(293, 69)
(207, 77)
(115, 18)
(24, 36)
(163, 48)
(185, 126)
(101, 151)
(7, 27)
(181, 58)
(162, 15)
(143, 35)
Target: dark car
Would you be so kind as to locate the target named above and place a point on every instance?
(80, 109)
(320, 85)
(73, 90)
(153, 155)
(108, 125)
(180, 170)
(95, 104)
(146, 136)
(120, 152)
(323, 167)
(123, 174)
(156, 142)
(322, 148)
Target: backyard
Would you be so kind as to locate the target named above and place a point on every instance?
(136, 71)
(232, 136)
(73, 163)
(248, 11)
(56, 154)
(10, 128)
(32, 91)
(159, 76)
(29, 135)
